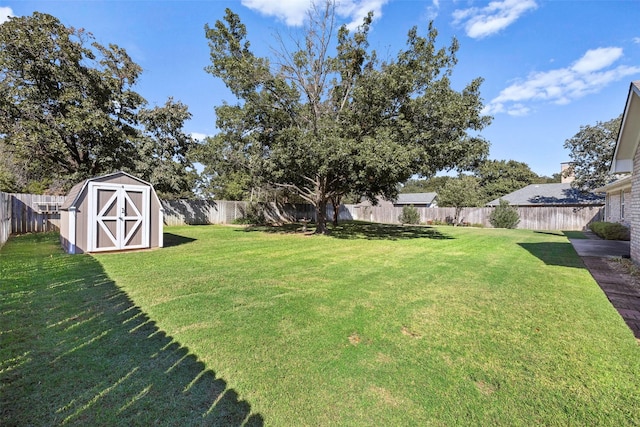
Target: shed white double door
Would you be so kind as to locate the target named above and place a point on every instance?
(118, 217)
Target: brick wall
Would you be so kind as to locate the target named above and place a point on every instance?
(614, 211)
(634, 209)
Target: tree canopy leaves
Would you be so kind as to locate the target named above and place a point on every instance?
(325, 125)
(500, 177)
(591, 152)
(68, 111)
(463, 191)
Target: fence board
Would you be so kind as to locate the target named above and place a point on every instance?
(28, 217)
(5, 217)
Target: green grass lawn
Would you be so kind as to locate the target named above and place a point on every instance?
(374, 325)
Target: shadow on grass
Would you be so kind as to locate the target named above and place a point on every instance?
(171, 239)
(567, 234)
(76, 350)
(574, 235)
(555, 253)
(361, 230)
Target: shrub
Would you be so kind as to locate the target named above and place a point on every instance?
(504, 216)
(610, 230)
(409, 215)
(252, 214)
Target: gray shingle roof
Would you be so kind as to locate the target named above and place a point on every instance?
(415, 198)
(556, 194)
(72, 195)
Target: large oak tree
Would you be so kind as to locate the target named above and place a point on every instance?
(69, 111)
(324, 125)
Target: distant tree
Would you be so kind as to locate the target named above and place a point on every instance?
(500, 177)
(68, 111)
(591, 152)
(431, 185)
(543, 179)
(463, 191)
(504, 215)
(227, 173)
(222, 185)
(324, 126)
(409, 215)
(163, 148)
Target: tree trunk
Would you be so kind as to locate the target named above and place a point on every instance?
(456, 220)
(335, 201)
(321, 217)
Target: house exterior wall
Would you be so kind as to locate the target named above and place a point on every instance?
(617, 208)
(634, 211)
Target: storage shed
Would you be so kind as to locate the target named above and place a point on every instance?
(113, 212)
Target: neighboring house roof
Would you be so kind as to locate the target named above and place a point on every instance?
(556, 194)
(617, 185)
(629, 135)
(416, 198)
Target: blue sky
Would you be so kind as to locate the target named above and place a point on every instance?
(549, 66)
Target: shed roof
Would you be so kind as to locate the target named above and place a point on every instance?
(555, 194)
(72, 195)
(629, 135)
(415, 198)
(75, 192)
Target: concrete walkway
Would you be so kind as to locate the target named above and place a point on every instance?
(616, 284)
(597, 247)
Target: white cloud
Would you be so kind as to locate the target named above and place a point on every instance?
(636, 40)
(199, 136)
(596, 59)
(496, 16)
(294, 12)
(5, 14)
(589, 74)
(432, 10)
(518, 110)
(356, 10)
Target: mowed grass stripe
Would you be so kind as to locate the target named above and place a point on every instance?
(487, 325)
(388, 325)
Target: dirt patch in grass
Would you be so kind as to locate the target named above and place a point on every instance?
(486, 388)
(384, 358)
(354, 339)
(406, 331)
(385, 396)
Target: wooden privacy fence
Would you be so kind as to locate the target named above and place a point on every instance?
(178, 212)
(195, 212)
(28, 213)
(531, 218)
